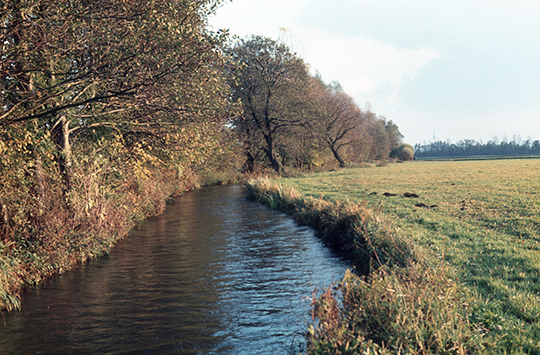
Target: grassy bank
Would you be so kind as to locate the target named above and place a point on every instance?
(473, 230)
(399, 300)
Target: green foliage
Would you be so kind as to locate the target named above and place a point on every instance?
(394, 136)
(381, 145)
(471, 148)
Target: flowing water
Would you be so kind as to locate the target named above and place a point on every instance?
(215, 274)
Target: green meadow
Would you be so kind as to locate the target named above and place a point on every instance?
(481, 218)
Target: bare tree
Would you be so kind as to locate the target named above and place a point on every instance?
(338, 120)
(268, 82)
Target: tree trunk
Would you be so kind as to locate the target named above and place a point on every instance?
(337, 156)
(271, 154)
(61, 137)
(38, 177)
(250, 162)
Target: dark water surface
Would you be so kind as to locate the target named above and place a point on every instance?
(215, 274)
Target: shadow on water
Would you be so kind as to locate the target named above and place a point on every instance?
(215, 274)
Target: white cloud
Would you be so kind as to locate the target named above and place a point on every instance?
(366, 68)
(416, 61)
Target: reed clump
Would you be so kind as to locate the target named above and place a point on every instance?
(413, 310)
(398, 300)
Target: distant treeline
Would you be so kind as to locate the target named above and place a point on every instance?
(469, 147)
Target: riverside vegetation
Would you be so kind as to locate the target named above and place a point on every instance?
(106, 110)
(447, 255)
(108, 107)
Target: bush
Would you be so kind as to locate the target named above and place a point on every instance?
(403, 152)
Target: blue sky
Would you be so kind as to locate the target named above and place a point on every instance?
(448, 70)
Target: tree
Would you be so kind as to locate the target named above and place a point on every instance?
(381, 147)
(268, 81)
(339, 118)
(392, 132)
(107, 107)
(134, 67)
(103, 95)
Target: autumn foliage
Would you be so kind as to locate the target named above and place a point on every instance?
(294, 120)
(109, 107)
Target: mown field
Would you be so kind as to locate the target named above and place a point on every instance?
(481, 217)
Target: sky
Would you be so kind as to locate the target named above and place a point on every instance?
(440, 69)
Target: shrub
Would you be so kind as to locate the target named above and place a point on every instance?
(403, 152)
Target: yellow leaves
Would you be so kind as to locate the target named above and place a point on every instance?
(3, 148)
(141, 171)
(143, 161)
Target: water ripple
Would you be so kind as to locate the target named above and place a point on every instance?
(215, 274)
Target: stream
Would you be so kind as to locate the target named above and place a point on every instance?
(215, 274)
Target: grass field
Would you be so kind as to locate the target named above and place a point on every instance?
(481, 217)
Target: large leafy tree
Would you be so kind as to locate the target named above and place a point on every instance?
(103, 92)
(395, 137)
(138, 68)
(106, 108)
(270, 83)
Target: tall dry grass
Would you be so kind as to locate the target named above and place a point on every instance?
(52, 231)
(358, 232)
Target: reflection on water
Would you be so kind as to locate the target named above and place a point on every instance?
(215, 274)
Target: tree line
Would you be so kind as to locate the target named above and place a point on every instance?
(290, 118)
(469, 147)
(107, 107)
(136, 74)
